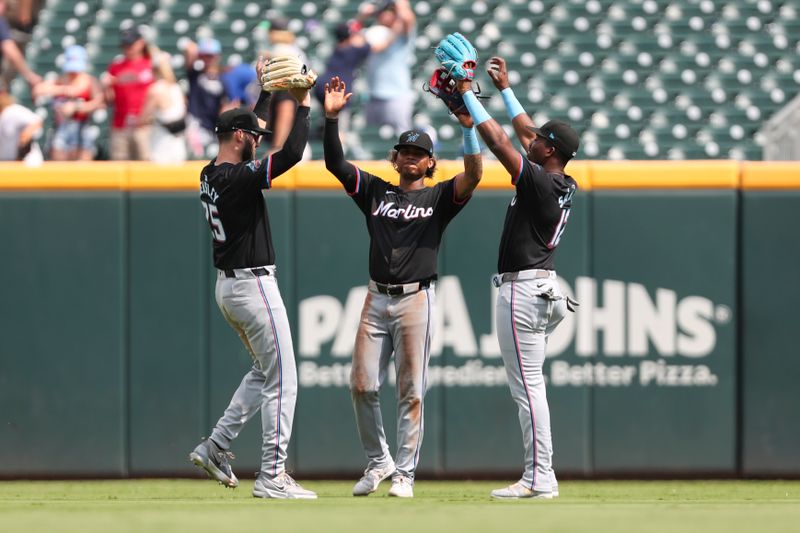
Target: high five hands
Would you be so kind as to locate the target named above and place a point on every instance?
(336, 97)
(496, 67)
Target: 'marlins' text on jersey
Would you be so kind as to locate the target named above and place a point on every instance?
(388, 210)
(406, 226)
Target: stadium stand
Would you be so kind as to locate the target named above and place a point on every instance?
(640, 79)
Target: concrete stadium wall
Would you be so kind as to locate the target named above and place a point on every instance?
(115, 361)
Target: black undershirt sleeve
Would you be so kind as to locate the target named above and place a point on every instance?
(334, 156)
(292, 151)
(261, 108)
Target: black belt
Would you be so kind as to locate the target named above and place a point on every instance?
(402, 288)
(256, 272)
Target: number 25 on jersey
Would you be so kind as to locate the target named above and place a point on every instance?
(212, 215)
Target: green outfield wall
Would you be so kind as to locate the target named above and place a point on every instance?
(681, 359)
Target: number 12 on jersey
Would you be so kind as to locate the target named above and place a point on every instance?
(212, 215)
(565, 202)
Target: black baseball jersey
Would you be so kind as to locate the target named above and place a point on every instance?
(536, 218)
(235, 208)
(405, 227)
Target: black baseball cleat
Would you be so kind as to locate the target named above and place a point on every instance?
(214, 460)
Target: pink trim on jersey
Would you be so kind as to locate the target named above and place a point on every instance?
(280, 377)
(524, 382)
(269, 171)
(561, 222)
(358, 182)
(519, 172)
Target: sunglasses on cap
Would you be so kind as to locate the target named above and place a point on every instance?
(255, 134)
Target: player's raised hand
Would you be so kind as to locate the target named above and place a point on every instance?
(260, 65)
(496, 67)
(303, 96)
(336, 97)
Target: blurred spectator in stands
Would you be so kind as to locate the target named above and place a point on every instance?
(18, 126)
(207, 94)
(126, 81)
(282, 106)
(240, 83)
(22, 14)
(389, 70)
(350, 53)
(75, 96)
(165, 110)
(281, 41)
(10, 50)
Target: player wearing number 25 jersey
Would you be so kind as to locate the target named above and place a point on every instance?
(529, 303)
(248, 296)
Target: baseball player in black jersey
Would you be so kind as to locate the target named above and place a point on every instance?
(530, 303)
(405, 225)
(248, 296)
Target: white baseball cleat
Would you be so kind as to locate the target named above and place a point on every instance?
(281, 487)
(517, 490)
(372, 478)
(402, 487)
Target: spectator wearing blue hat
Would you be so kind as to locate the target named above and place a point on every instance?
(207, 94)
(75, 96)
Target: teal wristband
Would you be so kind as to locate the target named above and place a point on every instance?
(471, 144)
(513, 107)
(476, 110)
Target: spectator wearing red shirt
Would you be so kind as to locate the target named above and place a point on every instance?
(126, 82)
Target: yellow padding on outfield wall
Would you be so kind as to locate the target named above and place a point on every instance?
(51, 175)
(771, 175)
(598, 175)
(665, 174)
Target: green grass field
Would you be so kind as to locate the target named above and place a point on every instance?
(194, 505)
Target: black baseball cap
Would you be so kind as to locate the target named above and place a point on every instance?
(278, 23)
(561, 134)
(239, 119)
(128, 36)
(417, 139)
(342, 31)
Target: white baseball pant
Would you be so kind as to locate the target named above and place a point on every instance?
(253, 307)
(528, 310)
(402, 325)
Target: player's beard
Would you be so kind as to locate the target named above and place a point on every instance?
(248, 151)
(412, 175)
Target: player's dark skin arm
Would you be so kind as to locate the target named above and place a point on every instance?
(499, 73)
(495, 138)
(466, 182)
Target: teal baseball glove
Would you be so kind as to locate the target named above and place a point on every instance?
(457, 56)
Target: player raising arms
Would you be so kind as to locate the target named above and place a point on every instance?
(247, 290)
(530, 303)
(405, 225)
